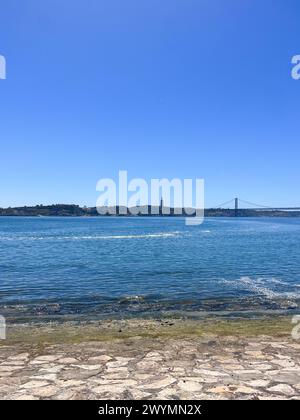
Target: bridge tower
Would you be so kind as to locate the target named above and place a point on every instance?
(236, 207)
(161, 206)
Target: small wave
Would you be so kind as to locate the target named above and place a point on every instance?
(260, 287)
(284, 283)
(131, 299)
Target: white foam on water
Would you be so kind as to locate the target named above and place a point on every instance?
(284, 283)
(261, 286)
(149, 235)
(90, 237)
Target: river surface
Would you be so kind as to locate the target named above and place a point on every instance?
(147, 266)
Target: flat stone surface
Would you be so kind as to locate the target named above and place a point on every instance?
(33, 384)
(282, 389)
(258, 383)
(67, 360)
(190, 386)
(96, 359)
(45, 392)
(203, 367)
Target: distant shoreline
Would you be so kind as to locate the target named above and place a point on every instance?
(72, 210)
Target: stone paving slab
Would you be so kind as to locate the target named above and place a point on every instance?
(206, 367)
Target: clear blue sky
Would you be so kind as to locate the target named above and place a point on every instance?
(172, 88)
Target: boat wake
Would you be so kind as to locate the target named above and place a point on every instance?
(89, 237)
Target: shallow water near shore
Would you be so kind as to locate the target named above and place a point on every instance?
(71, 331)
(104, 268)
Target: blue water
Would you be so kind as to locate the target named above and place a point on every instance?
(105, 266)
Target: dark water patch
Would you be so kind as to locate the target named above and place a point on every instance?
(144, 307)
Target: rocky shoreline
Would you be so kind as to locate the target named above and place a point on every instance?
(151, 359)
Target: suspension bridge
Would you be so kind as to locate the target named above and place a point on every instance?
(236, 204)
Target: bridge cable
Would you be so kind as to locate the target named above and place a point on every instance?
(259, 206)
(222, 204)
